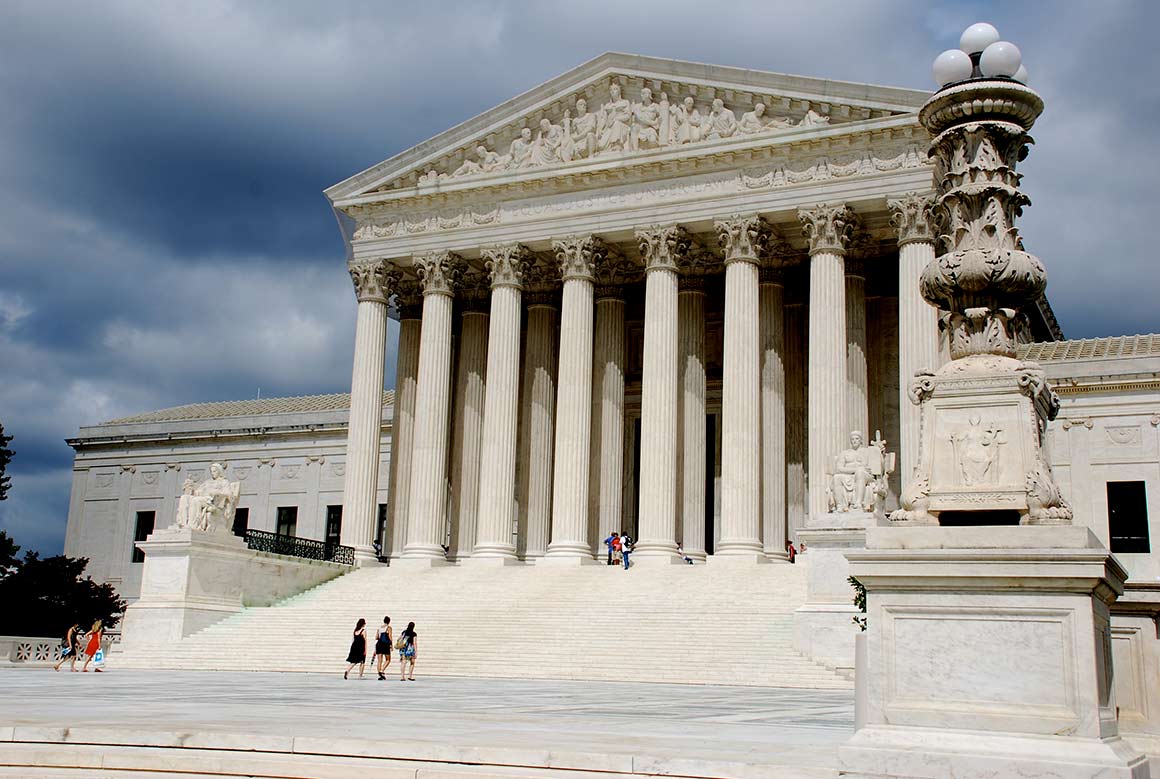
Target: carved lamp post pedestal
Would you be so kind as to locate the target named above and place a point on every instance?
(988, 646)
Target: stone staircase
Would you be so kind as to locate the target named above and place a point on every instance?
(703, 624)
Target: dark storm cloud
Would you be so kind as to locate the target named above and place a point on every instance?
(163, 237)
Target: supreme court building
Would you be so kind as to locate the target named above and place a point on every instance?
(648, 295)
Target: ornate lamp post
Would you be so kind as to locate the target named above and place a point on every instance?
(988, 643)
(981, 457)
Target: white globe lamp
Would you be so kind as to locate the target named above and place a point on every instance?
(1001, 58)
(978, 37)
(951, 66)
(1021, 74)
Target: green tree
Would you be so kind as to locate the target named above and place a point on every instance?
(44, 596)
(5, 458)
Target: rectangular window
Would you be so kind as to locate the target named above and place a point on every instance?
(333, 525)
(1128, 516)
(145, 522)
(241, 522)
(287, 521)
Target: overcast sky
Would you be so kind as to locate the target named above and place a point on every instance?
(164, 239)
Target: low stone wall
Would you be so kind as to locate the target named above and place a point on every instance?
(192, 579)
(25, 650)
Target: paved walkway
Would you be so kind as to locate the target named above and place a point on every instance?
(671, 723)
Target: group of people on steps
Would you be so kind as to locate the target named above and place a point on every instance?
(407, 646)
(78, 642)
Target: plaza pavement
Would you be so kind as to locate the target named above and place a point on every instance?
(613, 727)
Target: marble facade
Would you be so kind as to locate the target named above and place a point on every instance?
(666, 250)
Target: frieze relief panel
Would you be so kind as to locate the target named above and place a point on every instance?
(771, 175)
(622, 115)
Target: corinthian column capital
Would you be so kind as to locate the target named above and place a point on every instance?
(829, 227)
(439, 272)
(912, 216)
(744, 238)
(663, 247)
(506, 264)
(579, 256)
(375, 280)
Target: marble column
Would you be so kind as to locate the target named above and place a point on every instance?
(466, 436)
(439, 272)
(773, 400)
(691, 414)
(403, 424)
(607, 478)
(828, 228)
(577, 257)
(661, 247)
(497, 468)
(537, 426)
(372, 283)
(743, 238)
(918, 336)
(857, 395)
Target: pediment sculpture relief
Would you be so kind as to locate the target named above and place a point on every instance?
(622, 126)
(858, 476)
(210, 505)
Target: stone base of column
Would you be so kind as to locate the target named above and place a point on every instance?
(420, 562)
(777, 557)
(738, 557)
(366, 557)
(697, 557)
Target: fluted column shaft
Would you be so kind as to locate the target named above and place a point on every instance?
(773, 448)
(467, 432)
(498, 466)
(691, 416)
(364, 432)
(607, 488)
(740, 409)
(573, 421)
(826, 401)
(796, 435)
(657, 517)
(857, 395)
(402, 431)
(537, 429)
(918, 344)
(425, 520)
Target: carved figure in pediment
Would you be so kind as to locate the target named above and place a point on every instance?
(548, 142)
(469, 167)
(579, 133)
(721, 121)
(686, 122)
(521, 150)
(489, 161)
(755, 121)
(648, 120)
(813, 119)
(615, 122)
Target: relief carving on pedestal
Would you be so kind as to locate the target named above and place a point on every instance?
(976, 452)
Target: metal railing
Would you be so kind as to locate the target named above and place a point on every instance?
(293, 546)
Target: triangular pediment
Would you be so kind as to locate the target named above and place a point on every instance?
(617, 108)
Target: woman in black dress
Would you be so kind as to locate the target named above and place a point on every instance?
(358, 650)
(408, 651)
(383, 643)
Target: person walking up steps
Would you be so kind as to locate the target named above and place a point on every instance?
(383, 648)
(625, 548)
(358, 650)
(608, 542)
(408, 646)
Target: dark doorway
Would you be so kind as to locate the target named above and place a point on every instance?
(710, 477)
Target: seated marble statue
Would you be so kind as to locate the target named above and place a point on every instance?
(858, 480)
(209, 505)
